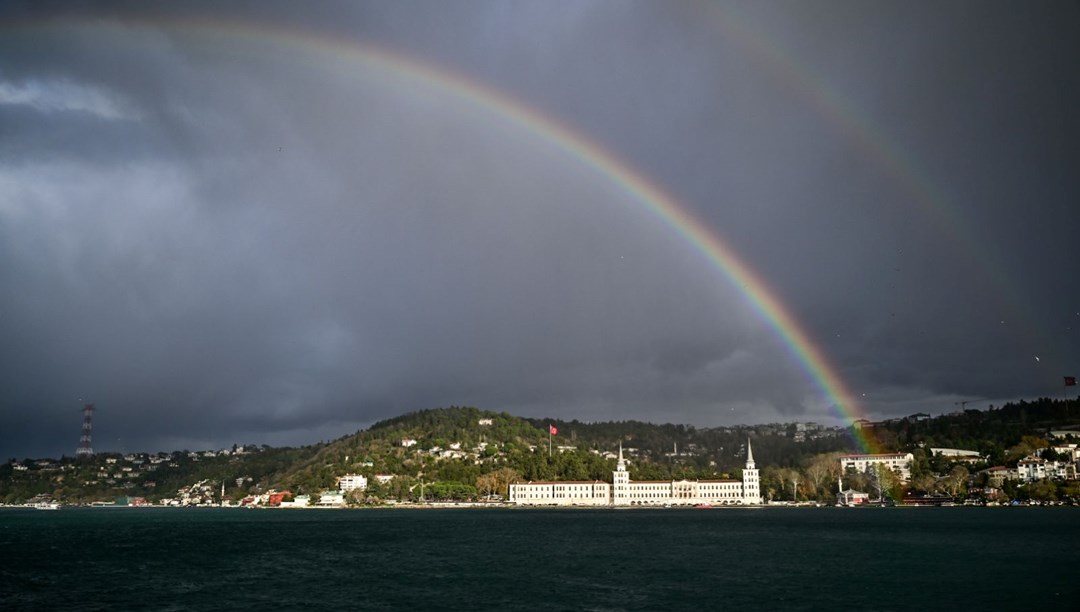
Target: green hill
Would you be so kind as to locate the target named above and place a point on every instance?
(465, 452)
(463, 444)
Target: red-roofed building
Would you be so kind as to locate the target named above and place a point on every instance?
(275, 499)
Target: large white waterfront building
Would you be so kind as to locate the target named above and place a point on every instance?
(625, 492)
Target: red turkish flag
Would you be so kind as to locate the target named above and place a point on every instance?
(1070, 381)
(552, 430)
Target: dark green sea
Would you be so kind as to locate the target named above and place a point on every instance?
(468, 559)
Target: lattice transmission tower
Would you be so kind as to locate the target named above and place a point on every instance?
(85, 450)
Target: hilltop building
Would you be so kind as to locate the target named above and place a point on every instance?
(956, 454)
(625, 492)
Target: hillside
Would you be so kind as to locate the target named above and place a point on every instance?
(991, 432)
(464, 452)
(461, 444)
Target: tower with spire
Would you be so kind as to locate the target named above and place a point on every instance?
(620, 481)
(750, 478)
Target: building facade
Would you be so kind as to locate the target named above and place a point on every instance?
(897, 462)
(957, 454)
(625, 492)
(352, 482)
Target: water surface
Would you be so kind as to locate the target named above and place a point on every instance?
(760, 559)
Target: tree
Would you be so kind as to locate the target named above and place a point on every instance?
(487, 485)
(857, 481)
(885, 481)
(454, 491)
(956, 481)
(823, 470)
(503, 478)
(1070, 491)
(1012, 489)
(924, 482)
(1042, 490)
(920, 465)
(356, 497)
(772, 482)
(791, 477)
(1027, 446)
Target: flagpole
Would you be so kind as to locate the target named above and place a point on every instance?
(1065, 395)
(1068, 381)
(549, 439)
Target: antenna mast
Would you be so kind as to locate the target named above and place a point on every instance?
(85, 449)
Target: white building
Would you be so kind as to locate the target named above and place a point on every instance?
(1070, 452)
(957, 454)
(351, 482)
(998, 475)
(300, 501)
(625, 492)
(331, 499)
(897, 462)
(850, 497)
(1031, 468)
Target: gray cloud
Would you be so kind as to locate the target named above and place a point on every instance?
(223, 239)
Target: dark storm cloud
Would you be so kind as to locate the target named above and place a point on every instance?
(221, 245)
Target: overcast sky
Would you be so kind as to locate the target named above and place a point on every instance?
(223, 225)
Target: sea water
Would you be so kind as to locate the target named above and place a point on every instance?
(472, 559)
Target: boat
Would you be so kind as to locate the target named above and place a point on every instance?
(703, 506)
(45, 506)
(928, 500)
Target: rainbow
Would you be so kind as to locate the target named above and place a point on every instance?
(326, 49)
(869, 137)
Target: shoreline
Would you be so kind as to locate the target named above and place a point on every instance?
(509, 506)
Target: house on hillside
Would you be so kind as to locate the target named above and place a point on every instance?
(352, 482)
(997, 475)
(1031, 469)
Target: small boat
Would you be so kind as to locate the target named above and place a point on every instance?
(45, 506)
(703, 506)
